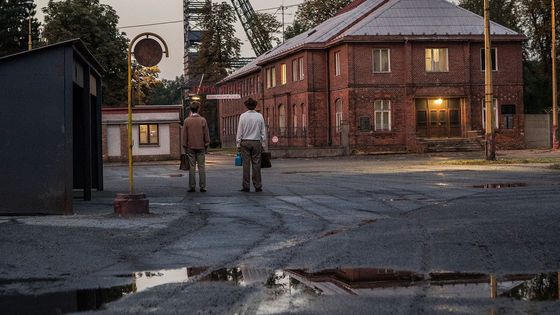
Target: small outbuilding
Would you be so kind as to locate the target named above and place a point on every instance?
(50, 118)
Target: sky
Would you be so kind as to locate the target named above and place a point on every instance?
(138, 12)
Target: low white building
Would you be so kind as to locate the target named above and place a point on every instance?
(156, 133)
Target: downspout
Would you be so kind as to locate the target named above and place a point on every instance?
(329, 130)
(263, 108)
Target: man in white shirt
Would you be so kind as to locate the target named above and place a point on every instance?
(251, 139)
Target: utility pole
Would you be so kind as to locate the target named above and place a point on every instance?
(555, 136)
(488, 89)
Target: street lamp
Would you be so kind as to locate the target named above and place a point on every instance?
(29, 6)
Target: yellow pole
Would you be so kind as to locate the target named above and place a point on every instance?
(130, 174)
(555, 139)
(493, 287)
(488, 95)
(130, 144)
(30, 41)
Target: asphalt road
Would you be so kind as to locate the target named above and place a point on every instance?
(399, 234)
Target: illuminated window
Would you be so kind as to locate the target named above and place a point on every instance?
(437, 60)
(149, 134)
(381, 60)
(382, 112)
(283, 74)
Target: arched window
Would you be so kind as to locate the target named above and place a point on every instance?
(338, 115)
(282, 119)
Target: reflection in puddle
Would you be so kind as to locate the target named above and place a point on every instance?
(502, 185)
(296, 287)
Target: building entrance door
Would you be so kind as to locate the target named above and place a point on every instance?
(438, 118)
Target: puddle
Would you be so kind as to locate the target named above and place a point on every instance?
(502, 185)
(286, 287)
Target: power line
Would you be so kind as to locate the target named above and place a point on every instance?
(150, 24)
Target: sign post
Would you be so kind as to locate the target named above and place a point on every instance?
(148, 53)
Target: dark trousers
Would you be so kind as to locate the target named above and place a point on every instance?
(197, 157)
(251, 155)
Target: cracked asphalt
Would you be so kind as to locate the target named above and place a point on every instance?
(394, 212)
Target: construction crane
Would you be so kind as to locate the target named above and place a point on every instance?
(257, 36)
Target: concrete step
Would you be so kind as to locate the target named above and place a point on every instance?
(451, 145)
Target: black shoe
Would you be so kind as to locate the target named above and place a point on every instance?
(258, 189)
(244, 189)
(202, 190)
(191, 190)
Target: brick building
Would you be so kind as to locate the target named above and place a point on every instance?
(383, 75)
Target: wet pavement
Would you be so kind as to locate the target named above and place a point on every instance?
(399, 234)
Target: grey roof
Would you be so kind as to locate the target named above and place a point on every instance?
(419, 17)
(385, 17)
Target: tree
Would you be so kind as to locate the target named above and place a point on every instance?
(143, 80)
(218, 44)
(166, 92)
(96, 25)
(312, 13)
(270, 26)
(503, 12)
(14, 29)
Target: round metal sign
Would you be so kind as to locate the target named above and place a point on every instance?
(148, 52)
(275, 139)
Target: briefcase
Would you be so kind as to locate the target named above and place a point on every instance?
(184, 163)
(265, 160)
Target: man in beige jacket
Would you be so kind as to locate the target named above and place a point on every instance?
(196, 139)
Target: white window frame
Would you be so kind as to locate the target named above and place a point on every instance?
(381, 50)
(496, 121)
(338, 114)
(337, 63)
(431, 64)
(494, 51)
(295, 69)
(273, 76)
(301, 68)
(283, 74)
(380, 112)
(268, 79)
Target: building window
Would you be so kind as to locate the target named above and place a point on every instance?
(303, 118)
(508, 112)
(382, 112)
(337, 63)
(495, 105)
(270, 77)
(283, 74)
(301, 69)
(295, 69)
(282, 119)
(149, 134)
(364, 124)
(493, 55)
(294, 117)
(338, 115)
(437, 60)
(381, 60)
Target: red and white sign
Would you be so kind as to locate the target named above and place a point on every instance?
(223, 96)
(275, 139)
